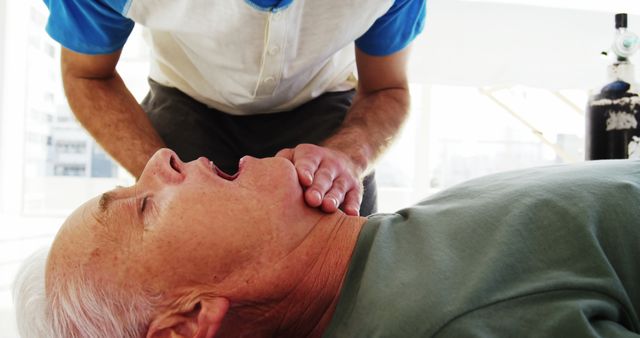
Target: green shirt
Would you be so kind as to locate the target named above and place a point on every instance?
(543, 252)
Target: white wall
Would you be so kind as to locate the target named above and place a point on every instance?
(2, 41)
(13, 104)
(480, 43)
(18, 236)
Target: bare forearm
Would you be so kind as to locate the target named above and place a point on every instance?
(332, 173)
(106, 108)
(370, 125)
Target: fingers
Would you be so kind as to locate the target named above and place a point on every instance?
(307, 168)
(334, 187)
(286, 153)
(352, 201)
(335, 196)
(304, 167)
(323, 180)
(328, 176)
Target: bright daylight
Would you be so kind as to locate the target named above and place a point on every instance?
(296, 168)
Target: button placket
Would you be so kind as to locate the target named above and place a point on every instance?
(273, 50)
(272, 55)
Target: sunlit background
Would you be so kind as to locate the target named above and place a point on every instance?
(496, 85)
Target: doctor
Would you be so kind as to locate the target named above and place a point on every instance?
(253, 77)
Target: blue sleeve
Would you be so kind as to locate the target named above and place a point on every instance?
(394, 30)
(89, 26)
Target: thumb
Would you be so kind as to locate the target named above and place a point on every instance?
(285, 153)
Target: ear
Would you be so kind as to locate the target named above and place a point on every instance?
(203, 321)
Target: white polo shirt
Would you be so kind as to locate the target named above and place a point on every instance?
(244, 57)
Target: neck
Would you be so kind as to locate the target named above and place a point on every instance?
(311, 305)
(304, 301)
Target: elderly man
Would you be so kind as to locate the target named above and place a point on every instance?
(230, 78)
(189, 251)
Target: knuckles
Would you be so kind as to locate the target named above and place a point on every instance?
(331, 164)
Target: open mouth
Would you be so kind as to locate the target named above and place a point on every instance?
(225, 175)
(219, 172)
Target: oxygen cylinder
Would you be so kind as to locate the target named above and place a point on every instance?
(612, 130)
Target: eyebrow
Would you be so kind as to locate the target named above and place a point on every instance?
(105, 201)
(109, 219)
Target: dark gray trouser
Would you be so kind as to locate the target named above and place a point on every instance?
(192, 129)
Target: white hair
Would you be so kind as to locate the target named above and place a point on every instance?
(29, 298)
(75, 306)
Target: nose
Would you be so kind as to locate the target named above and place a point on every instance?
(164, 165)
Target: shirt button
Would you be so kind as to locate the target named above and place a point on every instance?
(277, 15)
(274, 50)
(269, 80)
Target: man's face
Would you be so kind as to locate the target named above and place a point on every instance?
(183, 224)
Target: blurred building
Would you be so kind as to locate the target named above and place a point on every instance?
(55, 144)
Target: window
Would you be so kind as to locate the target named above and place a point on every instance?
(455, 133)
(59, 155)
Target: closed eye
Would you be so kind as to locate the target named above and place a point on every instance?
(143, 205)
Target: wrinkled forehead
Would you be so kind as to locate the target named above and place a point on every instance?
(78, 242)
(78, 230)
